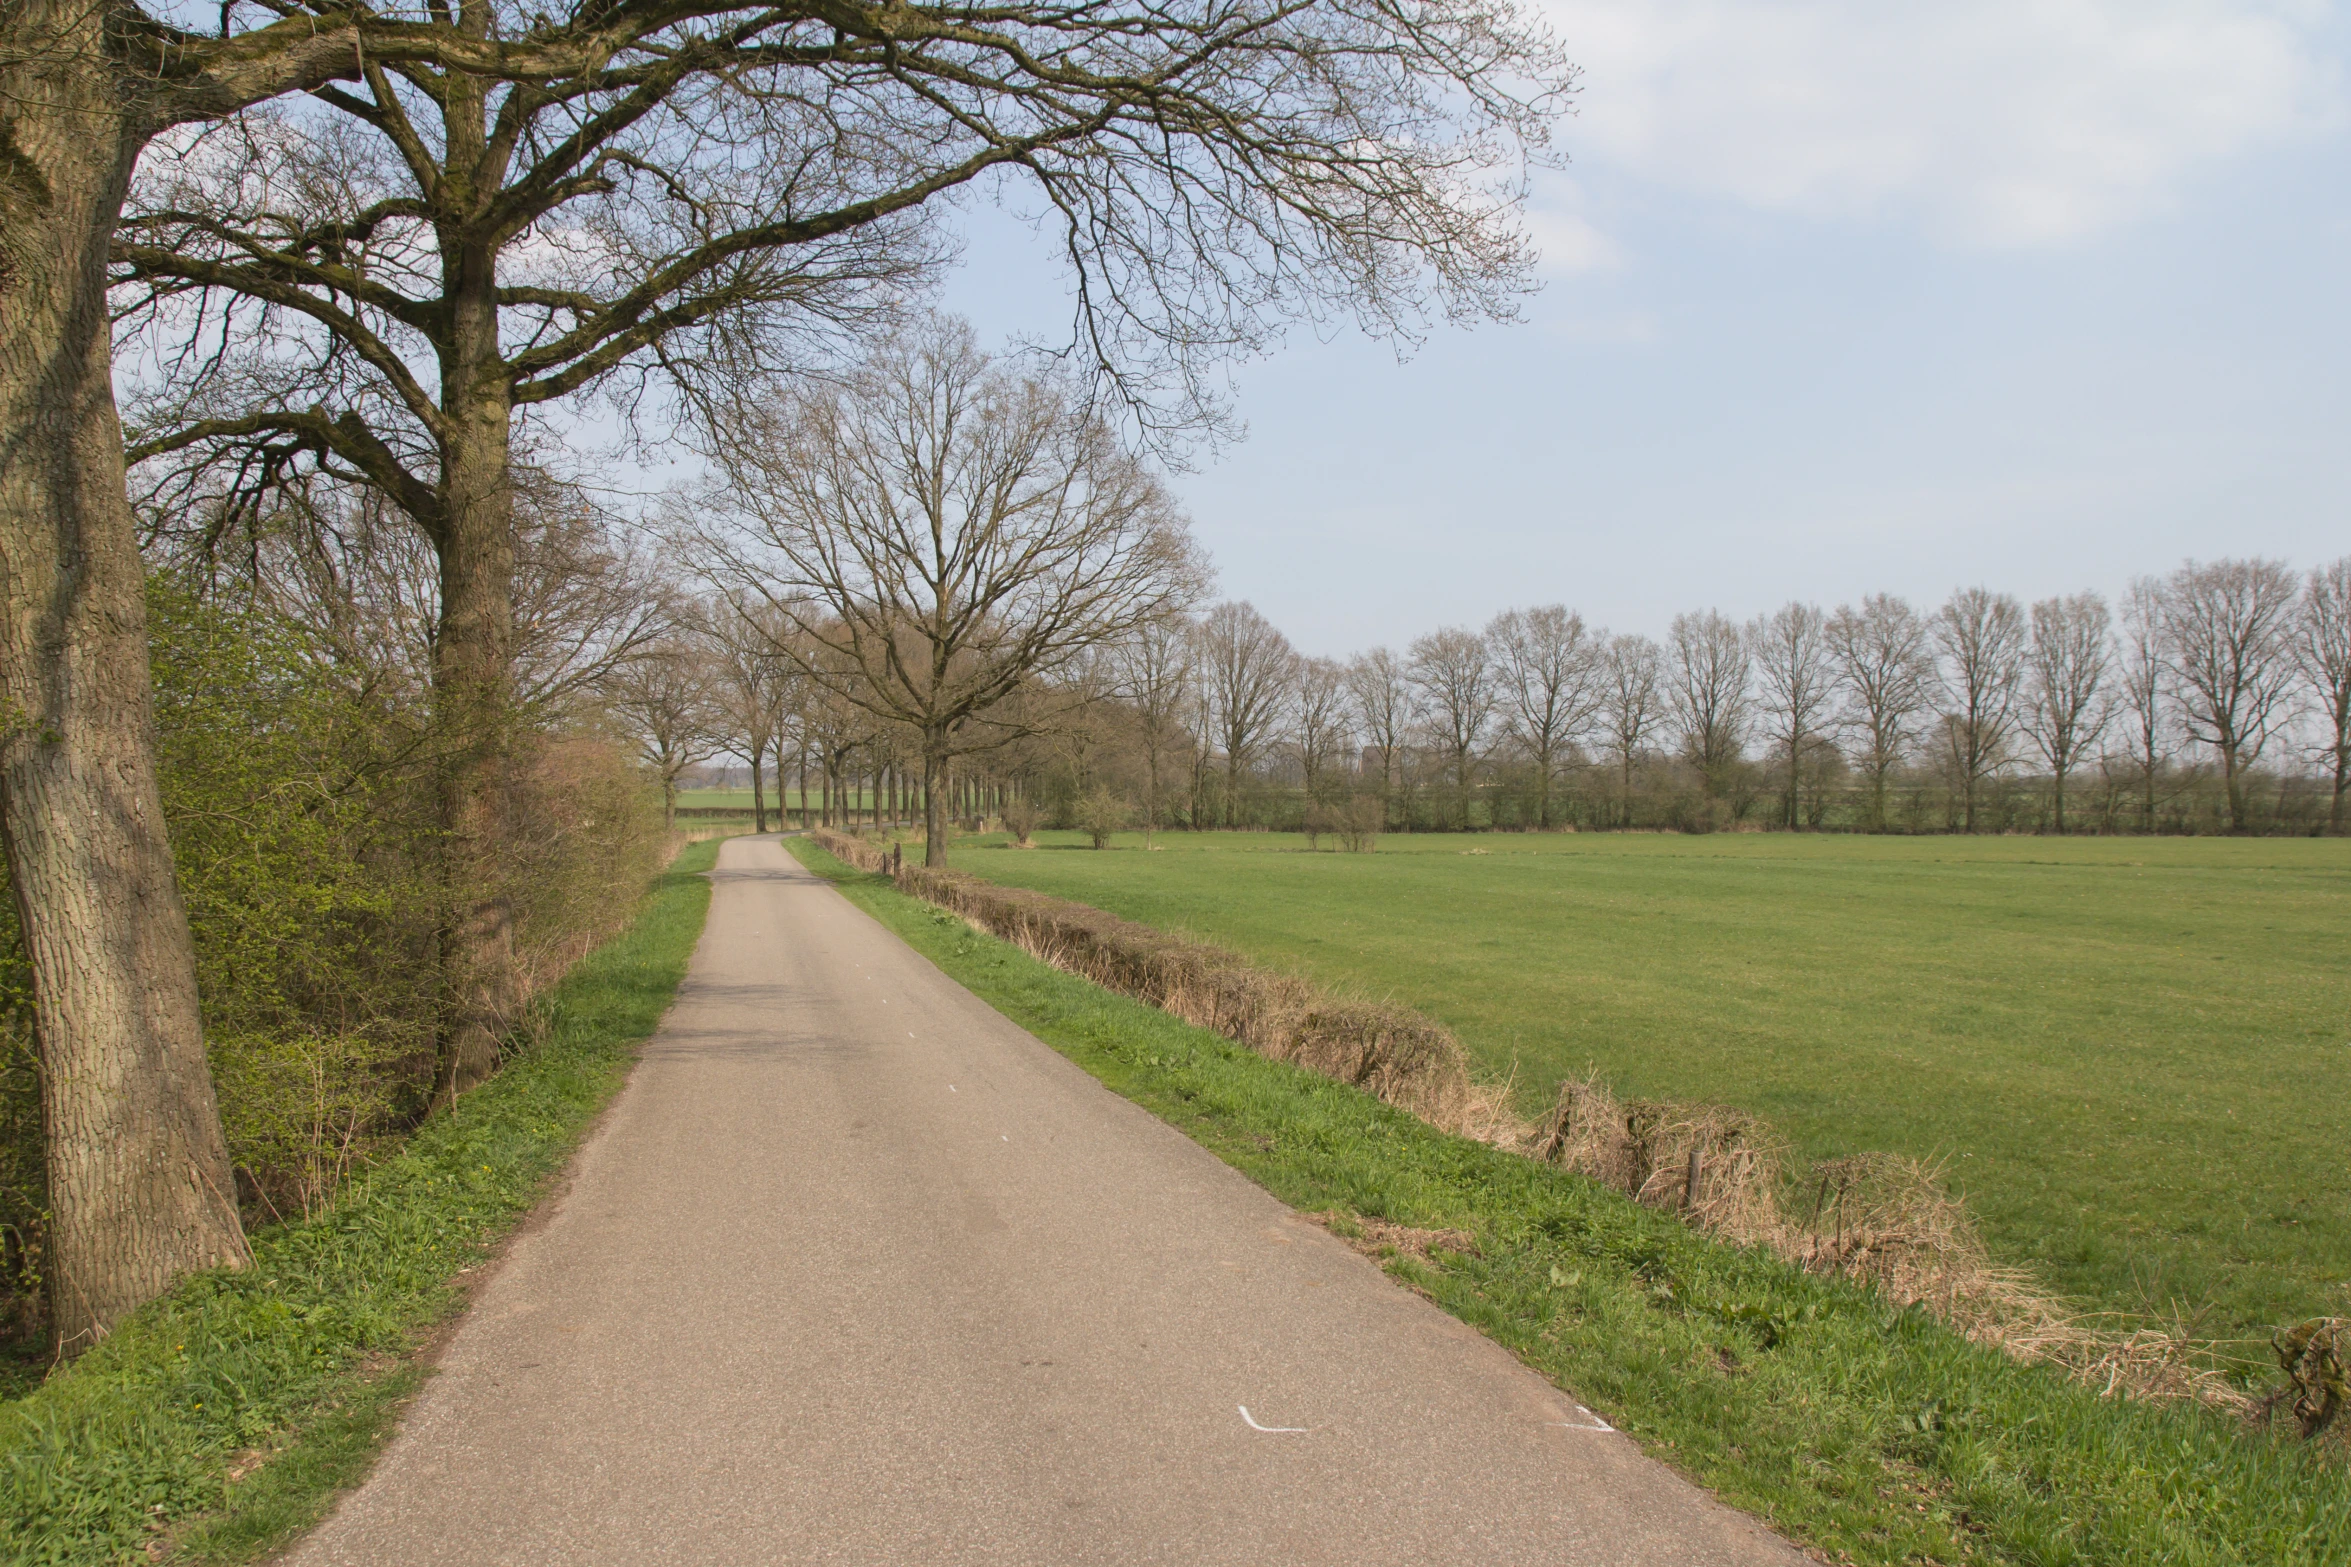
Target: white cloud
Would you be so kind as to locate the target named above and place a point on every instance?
(1992, 122)
(1568, 241)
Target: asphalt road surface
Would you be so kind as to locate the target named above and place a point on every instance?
(855, 1271)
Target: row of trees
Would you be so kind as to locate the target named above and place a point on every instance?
(1985, 713)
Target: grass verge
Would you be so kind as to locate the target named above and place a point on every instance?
(2109, 1045)
(223, 1418)
(1877, 1436)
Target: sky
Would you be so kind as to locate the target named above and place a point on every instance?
(1837, 297)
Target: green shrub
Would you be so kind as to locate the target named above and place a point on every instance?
(300, 792)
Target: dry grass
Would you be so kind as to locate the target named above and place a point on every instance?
(1391, 1052)
(1717, 1167)
(1379, 1238)
(1881, 1219)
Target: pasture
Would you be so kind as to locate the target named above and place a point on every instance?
(2132, 1055)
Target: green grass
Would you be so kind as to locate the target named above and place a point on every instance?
(1864, 1431)
(2131, 1054)
(302, 1360)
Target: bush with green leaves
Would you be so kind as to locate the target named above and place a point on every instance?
(1099, 813)
(299, 790)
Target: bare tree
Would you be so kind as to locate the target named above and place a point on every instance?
(1981, 638)
(1797, 668)
(1454, 689)
(2143, 692)
(2322, 648)
(1549, 669)
(752, 685)
(1708, 687)
(2065, 707)
(1320, 721)
(1200, 719)
(1888, 673)
(1633, 703)
(939, 531)
(665, 699)
(586, 599)
(1383, 707)
(1155, 674)
(664, 202)
(1248, 669)
(2228, 630)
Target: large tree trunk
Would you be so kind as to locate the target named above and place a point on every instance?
(139, 1181)
(758, 789)
(473, 656)
(934, 803)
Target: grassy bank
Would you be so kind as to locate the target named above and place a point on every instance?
(2113, 1044)
(1874, 1434)
(224, 1417)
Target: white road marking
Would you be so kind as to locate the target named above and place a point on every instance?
(1268, 1430)
(1597, 1424)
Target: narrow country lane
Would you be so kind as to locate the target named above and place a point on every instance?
(855, 1271)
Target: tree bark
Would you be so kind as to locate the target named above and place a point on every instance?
(140, 1186)
(934, 801)
(473, 656)
(758, 788)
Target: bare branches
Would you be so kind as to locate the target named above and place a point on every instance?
(2065, 706)
(1708, 687)
(1887, 671)
(1453, 678)
(1552, 684)
(1981, 637)
(701, 191)
(2322, 649)
(2227, 640)
(1797, 664)
(1247, 669)
(938, 532)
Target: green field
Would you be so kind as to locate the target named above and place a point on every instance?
(2130, 1053)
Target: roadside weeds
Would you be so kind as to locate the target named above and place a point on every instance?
(223, 1419)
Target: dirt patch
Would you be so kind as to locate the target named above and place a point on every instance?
(1380, 1239)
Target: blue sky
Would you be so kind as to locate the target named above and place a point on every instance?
(1838, 297)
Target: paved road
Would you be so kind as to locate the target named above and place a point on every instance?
(857, 1272)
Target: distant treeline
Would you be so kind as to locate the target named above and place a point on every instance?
(2214, 699)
